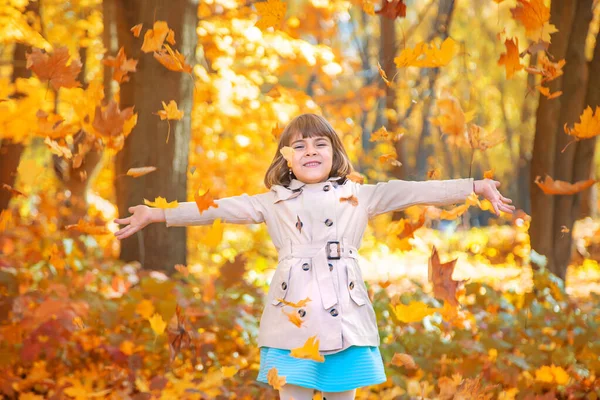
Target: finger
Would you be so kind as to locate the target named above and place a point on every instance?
(497, 183)
(507, 209)
(125, 232)
(505, 199)
(122, 221)
(495, 205)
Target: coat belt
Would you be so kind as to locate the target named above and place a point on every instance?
(318, 254)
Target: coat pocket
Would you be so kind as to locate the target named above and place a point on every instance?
(355, 285)
(281, 282)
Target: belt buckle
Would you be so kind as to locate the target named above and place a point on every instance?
(328, 248)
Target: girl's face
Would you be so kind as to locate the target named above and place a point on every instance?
(312, 158)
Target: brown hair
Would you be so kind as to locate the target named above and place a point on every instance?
(308, 125)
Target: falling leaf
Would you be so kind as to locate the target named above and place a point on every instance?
(88, 227)
(57, 149)
(588, 125)
(403, 360)
(552, 374)
(550, 186)
(480, 139)
(546, 92)
(294, 318)
(434, 174)
(534, 15)
(301, 303)
(310, 350)
(170, 112)
(178, 333)
(414, 312)
(440, 275)
(274, 379)
(276, 132)
(454, 212)
(489, 174)
(122, 66)
(12, 191)
(157, 324)
(288, 153)
(145, 308)
(55, 67)
(357, 177)
(451, 118)
(155, 37)
(271, 13)
(215, 235)
(204, 200)
(141, 171)
(380, 134)
(172, 60)
(427, 55)
(391, 158)
(110, 122)
(229, 372)
(161, 202)
(510, 59)
(564, 229)
(383, 74)
(136, 30)
(350, 199)
(547, 69)
(392, 9)
(299, 224)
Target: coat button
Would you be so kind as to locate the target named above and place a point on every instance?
(351, 285)
(328, 222)
(302, 313)
(330, 266)
(305, 266)
(283, 285)
(333, 312)
(326, 188)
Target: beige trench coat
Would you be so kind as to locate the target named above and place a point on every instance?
(319, 261)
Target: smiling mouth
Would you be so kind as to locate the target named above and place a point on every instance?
(312, 164)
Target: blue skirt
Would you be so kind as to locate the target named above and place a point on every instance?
(354, 367)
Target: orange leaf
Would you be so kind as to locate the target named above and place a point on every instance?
(383, 75)
(380, 134)
(480, 139)
(452, 119)
(170, 111)
(122, 66)
(171, 37)
(310, 350)
(154, 38)
(204, 201)
(392, 9)
(440, 275)
(53, 67)
(427, 55)
(172, 60)
(510, 59)
(110, 123)
(88, 227)
(390, 158)
(137, 172)
(294, 318)
(546, 92)
(271, 13)
(350, 199)
(403, 360)
(588, 125)
(299, 304)
(547, 69)
(550, 186)
(12, 191)
(274, 379)
(137, 29)
(356, 177)
(534, 15)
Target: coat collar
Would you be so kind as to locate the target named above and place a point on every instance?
(295, 188)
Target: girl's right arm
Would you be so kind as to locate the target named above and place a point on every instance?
(243, 209)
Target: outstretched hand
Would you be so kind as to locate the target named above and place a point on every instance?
(488, 188)
(141, 217)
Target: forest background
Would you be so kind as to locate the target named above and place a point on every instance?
(108, 104)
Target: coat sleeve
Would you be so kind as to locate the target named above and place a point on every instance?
(243, 209)
(397, 194)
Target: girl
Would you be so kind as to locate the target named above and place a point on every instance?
(316, 218)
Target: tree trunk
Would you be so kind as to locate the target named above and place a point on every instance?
(155, 246)
(548, 212)
(10, 152)
(425, 148)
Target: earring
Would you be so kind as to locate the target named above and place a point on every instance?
(290, 173)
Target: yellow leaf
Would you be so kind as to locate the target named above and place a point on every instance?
(309, 351)
(215, 235)
(589, 125)
(170, 111)
(271, 13)
(413, 312)
(427, 55)
(154, 38)
(137, 172)
(299, 304)
(274, 379)
(161, 202)
(288, 153)
(145, 308)
(157, 324)
(127, 347)
(230, 371)
(136, 30)
(294, 318)
(403, 360)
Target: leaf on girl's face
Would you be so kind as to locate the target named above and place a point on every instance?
(309, 351)
(271, 13)
(53, 67)
(440, 275)
(155, 37)
(510, 59)
(161, 202)
(274, 379)
(288, 153)
(550, 186)
(136, 30)
(140, 171)
(204, 200)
